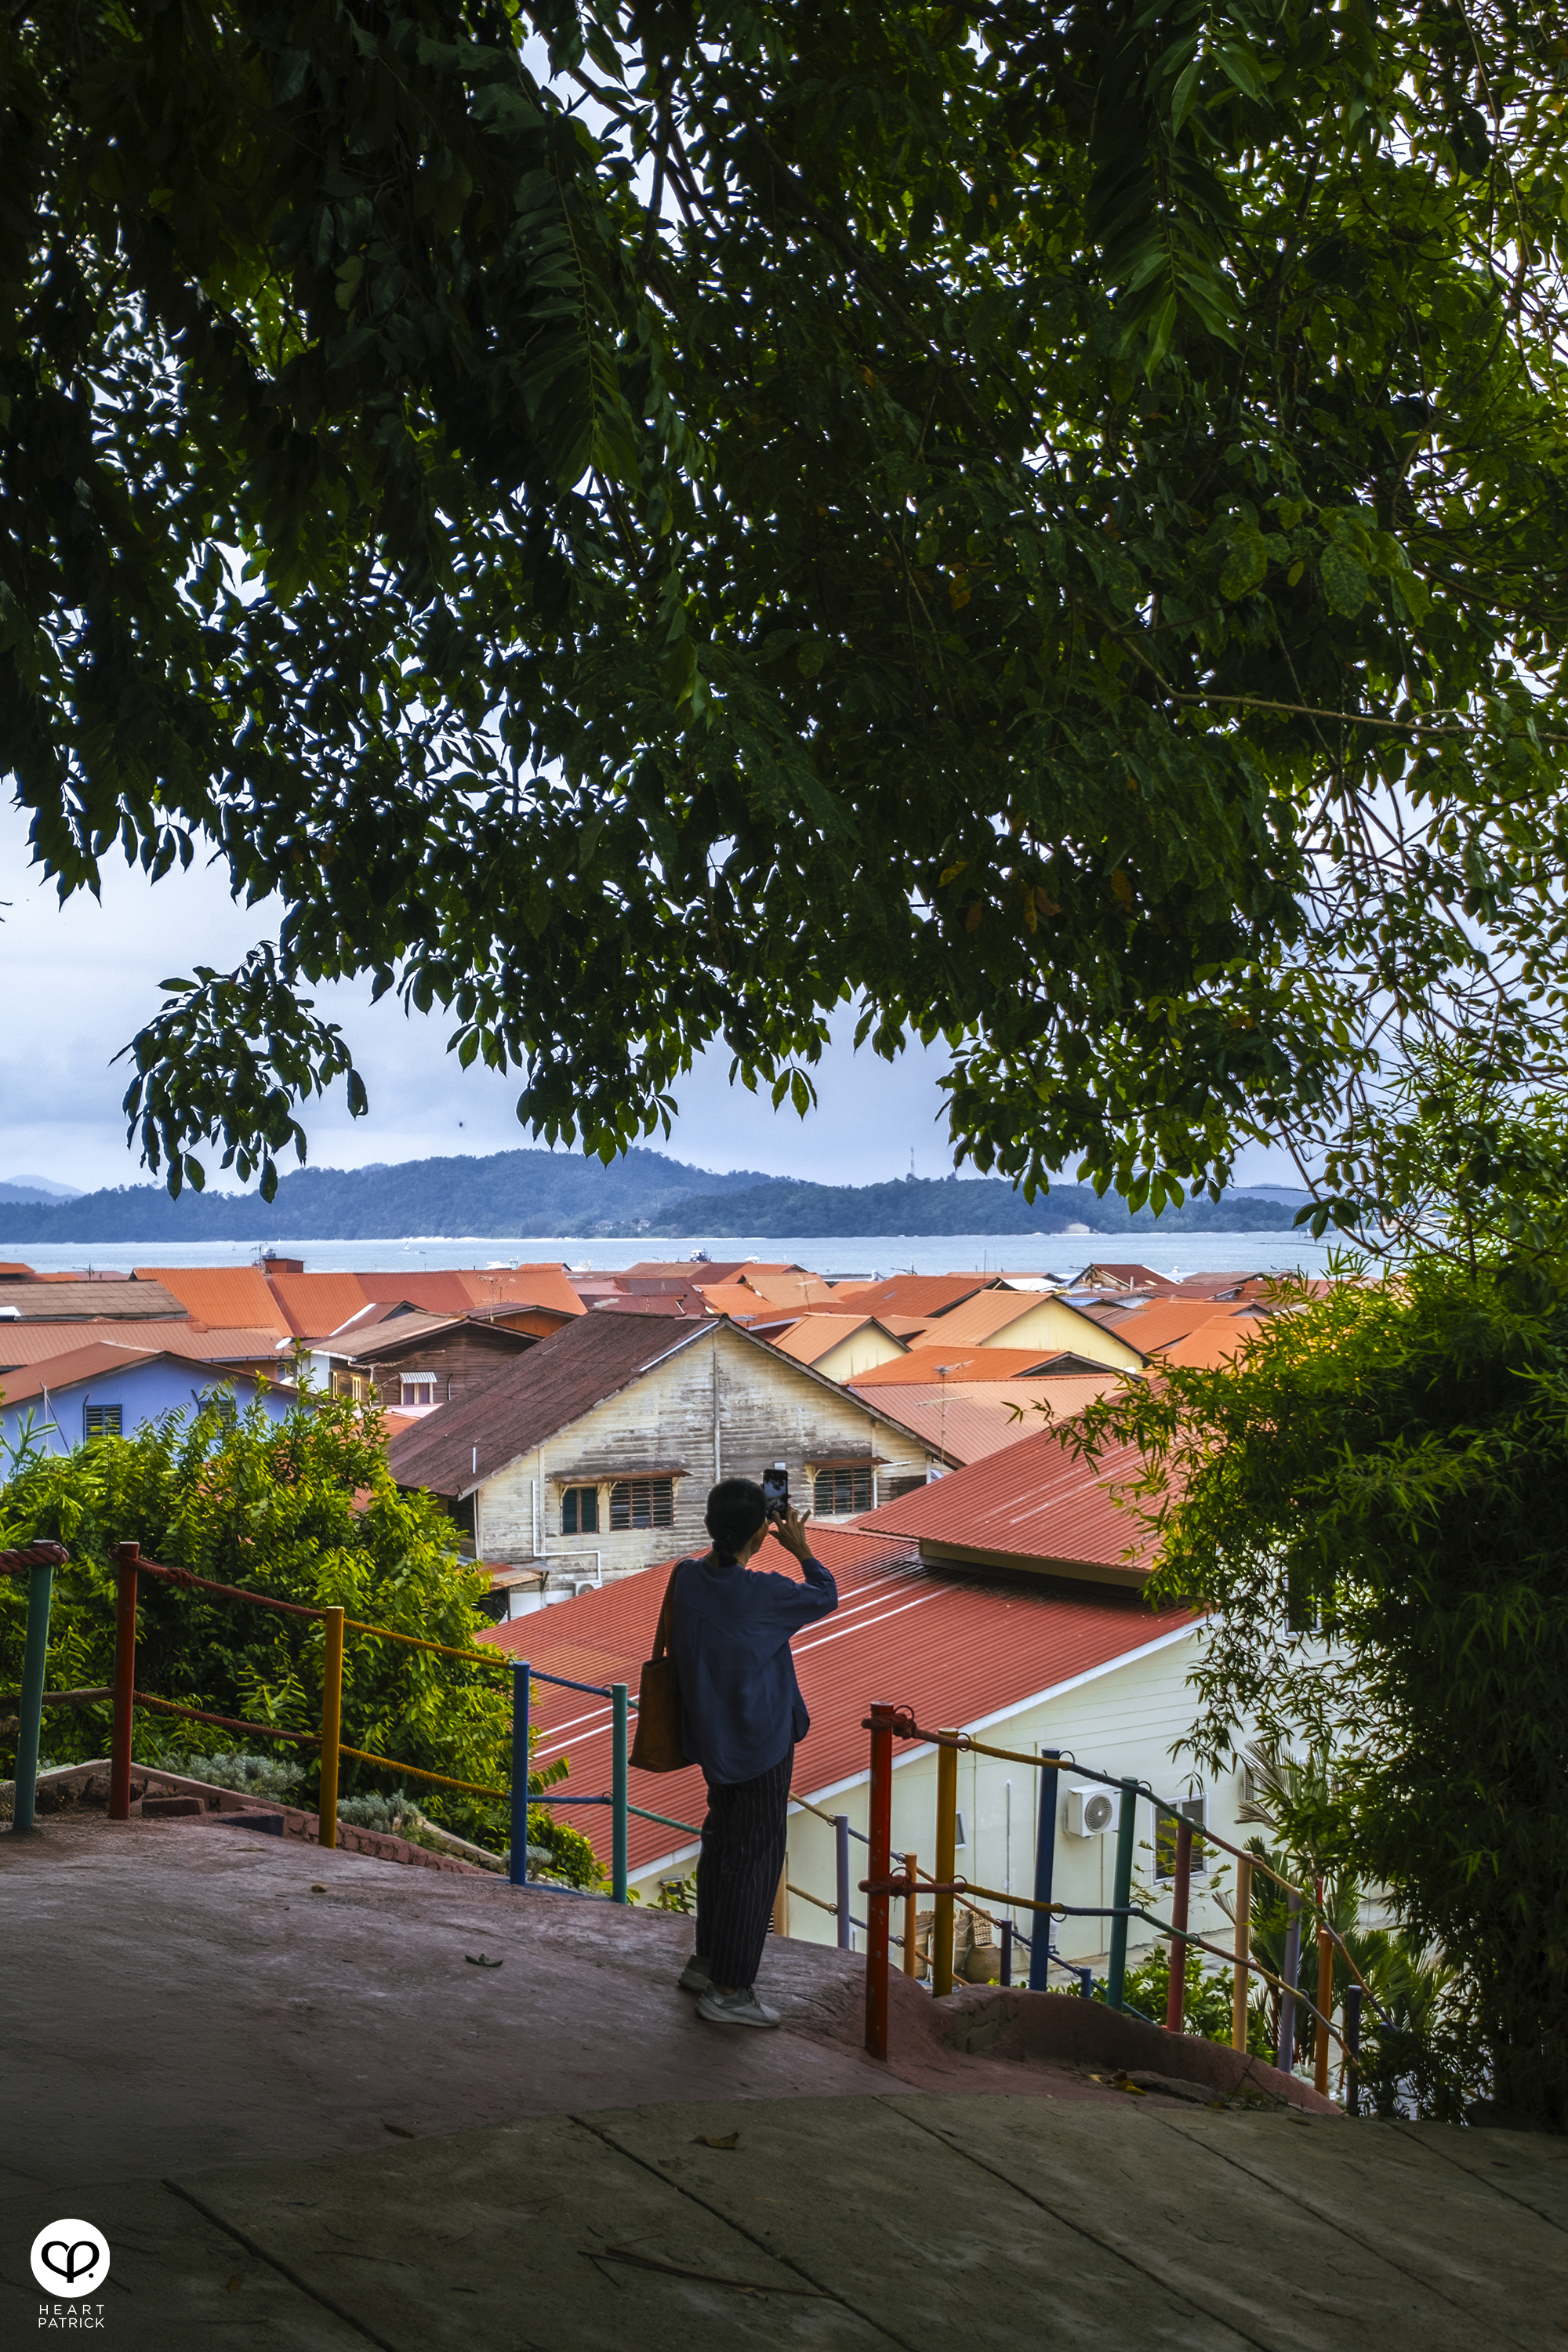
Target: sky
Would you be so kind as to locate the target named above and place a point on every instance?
(78, 982)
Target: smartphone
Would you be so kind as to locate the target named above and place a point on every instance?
(776, 1490)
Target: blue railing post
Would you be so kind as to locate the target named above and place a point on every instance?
(1045, 1871)
(841, 1866)
(1121, 1897)
(519, 1870)
(35, 1657)
(619, 1795)
(1006, 1951)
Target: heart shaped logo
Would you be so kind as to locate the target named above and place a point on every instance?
(70, 2257)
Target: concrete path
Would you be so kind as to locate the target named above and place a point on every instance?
(916, 2221)
(304, 2115)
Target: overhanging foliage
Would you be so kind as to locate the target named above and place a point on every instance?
(1053, 526)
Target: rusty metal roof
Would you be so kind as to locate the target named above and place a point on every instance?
(78, 1300)
(909, 1294)
(957, 1650)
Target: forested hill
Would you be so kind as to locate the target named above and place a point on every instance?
(919, 1205)
(552, 1195)
(545, 1193)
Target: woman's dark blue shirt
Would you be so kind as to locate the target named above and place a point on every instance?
(741, 1706)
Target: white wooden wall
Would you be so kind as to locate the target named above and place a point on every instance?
(723, 1407)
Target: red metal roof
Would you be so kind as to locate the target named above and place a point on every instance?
(1034, 1504)
(956, 1650)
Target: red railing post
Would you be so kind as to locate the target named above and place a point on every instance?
(881, 1870)
(126, 1555)
(1175, 2000)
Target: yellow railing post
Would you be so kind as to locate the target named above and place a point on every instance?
(946, 1868)
(332, 1725)
(1243, 1952)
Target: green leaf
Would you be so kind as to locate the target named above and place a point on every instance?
(1345, 582)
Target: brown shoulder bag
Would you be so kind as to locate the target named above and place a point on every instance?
(656, 1746)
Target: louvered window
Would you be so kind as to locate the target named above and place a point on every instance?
(102, 1420)
(837, 1493)
(580, 1510)
(641, 1503)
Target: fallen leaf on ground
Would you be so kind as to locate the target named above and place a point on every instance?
(478, 1960)
(715, 2139)
(402, 2130)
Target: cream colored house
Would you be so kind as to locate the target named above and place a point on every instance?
(1015, 1318)
(591, 1457)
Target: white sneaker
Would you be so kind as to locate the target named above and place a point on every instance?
(741, 2008)
(695, 1977)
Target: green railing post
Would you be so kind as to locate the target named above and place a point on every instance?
(1121, 1897)
(618, 1794)
(35, 1657)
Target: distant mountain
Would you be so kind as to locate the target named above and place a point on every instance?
(922, 1206)
(544, 1192)
(36, 1188)
(550, 1195)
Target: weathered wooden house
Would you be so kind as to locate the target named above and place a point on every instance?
(593, 1456)
(410, 1362)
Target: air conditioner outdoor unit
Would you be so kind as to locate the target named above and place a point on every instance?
(1093, 1811)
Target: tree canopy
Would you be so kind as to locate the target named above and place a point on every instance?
(1370, 1504)
(642, 524)
(305, 1510)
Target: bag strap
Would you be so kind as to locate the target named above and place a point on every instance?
(662, 1630)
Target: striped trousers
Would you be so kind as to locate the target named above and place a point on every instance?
(738, 1870)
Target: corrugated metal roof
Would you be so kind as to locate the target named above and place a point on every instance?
(978, 1417)
(1212, 1344)
(811, 1337)
(963, 1365)
(980, 1320)
(954, 1649)
(99, 1359)
(229, 1298)
(312, 1305)
(75, 1300)
(909, 1294)
(452, 1290)
(36, 1343)
(1032, 1505)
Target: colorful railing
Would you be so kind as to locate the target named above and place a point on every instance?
(888, 1724)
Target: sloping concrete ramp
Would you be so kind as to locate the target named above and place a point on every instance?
(921, 2222)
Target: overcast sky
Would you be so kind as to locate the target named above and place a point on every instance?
(78, 982)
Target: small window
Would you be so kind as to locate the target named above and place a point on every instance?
(641, 1503)
(357, 1385)
(1165, 1839)
(102, 1421)
(896, 1489)
(839, 1492)
(418, 1388)
(580, 1511)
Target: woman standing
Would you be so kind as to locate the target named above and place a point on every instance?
(741, 1714)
